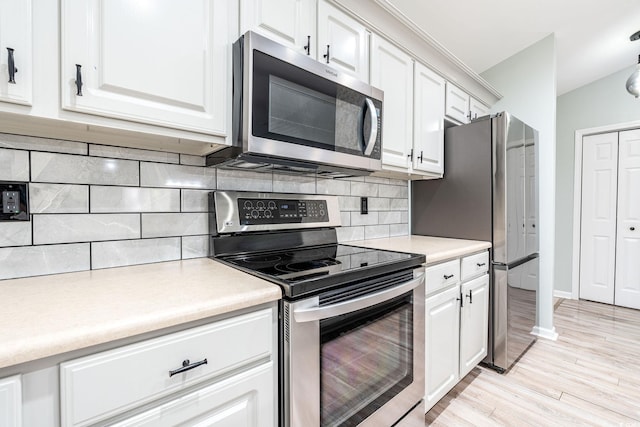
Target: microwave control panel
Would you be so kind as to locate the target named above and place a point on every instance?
(279, 211)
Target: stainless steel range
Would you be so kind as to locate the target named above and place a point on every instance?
(352, 319)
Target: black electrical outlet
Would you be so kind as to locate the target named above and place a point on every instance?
(364, 205)
(14, 200)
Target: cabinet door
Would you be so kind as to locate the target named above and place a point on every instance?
(474, 323)
(477, 109)
(441, 344)
(15, 41)
(348, 41)
(244, 400)
(392, 71)
(457, 103)
(627, 287)
(428, 122)
(289, 22)
(163, 62)
(11, 402)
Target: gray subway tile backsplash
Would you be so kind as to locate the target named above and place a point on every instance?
(25, 261)
(133, 252)
(176, 176)
(15, 233)
(96, 206)
(174, 224)
(195, 200)
(71, 169)
(134, 199)
(34, 143)
(58, 198)
(132, 154)
(69, 228)
(14, 165)
(195, 246)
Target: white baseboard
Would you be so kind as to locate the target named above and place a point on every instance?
(562, 294)
(549, 334)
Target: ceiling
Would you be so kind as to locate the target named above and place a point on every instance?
(592, 36)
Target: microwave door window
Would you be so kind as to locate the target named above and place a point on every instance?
(301, 113)
(349, 121)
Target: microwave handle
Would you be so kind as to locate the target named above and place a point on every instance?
(373, 136)
(320, 313)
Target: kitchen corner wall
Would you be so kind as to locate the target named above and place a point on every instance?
(96, 206)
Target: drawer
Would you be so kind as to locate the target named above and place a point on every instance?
(102, 385)
(475, 265)
(440, 276)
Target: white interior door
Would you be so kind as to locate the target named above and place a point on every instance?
(598, 217)
(627, 282)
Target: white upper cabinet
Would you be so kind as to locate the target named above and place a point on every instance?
(289, 22)
(15, 51)
(163, 62)
(343, 42)
(477, 109)
(428, 142)
(457, 103)
(392, 71)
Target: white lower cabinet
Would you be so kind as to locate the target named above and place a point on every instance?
(11, 402)
(220, 374)
(456, 324)
(244, 400)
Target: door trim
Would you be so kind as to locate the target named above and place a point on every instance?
(577, 194)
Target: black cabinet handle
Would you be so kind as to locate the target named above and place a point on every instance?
(307, 48)
(469, 115)
(632, 228)
(448, 277)
(461, 300)
(187, 366)
(533, 225)
(420, 158)
(12, 66)
(410, 155)
(470, 296)
(480, 264)
(79, 79)
(326, 55)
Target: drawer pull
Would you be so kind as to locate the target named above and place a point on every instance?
(187, 366)
(480, 264)
(447, 277)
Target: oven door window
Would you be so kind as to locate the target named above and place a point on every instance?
(293, 105)
(366, 359)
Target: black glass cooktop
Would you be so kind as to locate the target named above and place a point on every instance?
(319, 267)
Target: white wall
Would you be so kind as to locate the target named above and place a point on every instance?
(527, 81)
(603, 102)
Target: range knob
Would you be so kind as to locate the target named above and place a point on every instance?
(254, 214)
(260, 205)
(272, 205)
(268, 214)
(248, 205)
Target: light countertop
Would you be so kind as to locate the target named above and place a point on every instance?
(436, 249)
(49, 315)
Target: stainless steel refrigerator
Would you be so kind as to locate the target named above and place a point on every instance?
(490, 192)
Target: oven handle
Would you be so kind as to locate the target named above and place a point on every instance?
(320, 313)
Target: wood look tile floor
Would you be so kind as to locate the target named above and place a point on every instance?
(589, 376)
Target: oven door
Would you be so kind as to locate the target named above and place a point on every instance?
(355, 362)
(299, 108)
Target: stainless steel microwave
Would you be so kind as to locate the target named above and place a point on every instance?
(291, 112)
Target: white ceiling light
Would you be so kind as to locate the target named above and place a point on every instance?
(633, 82)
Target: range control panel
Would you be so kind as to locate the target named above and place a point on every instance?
(280, 211)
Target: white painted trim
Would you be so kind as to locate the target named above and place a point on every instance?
(563, 294)
(577, 194)
(549, 334)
